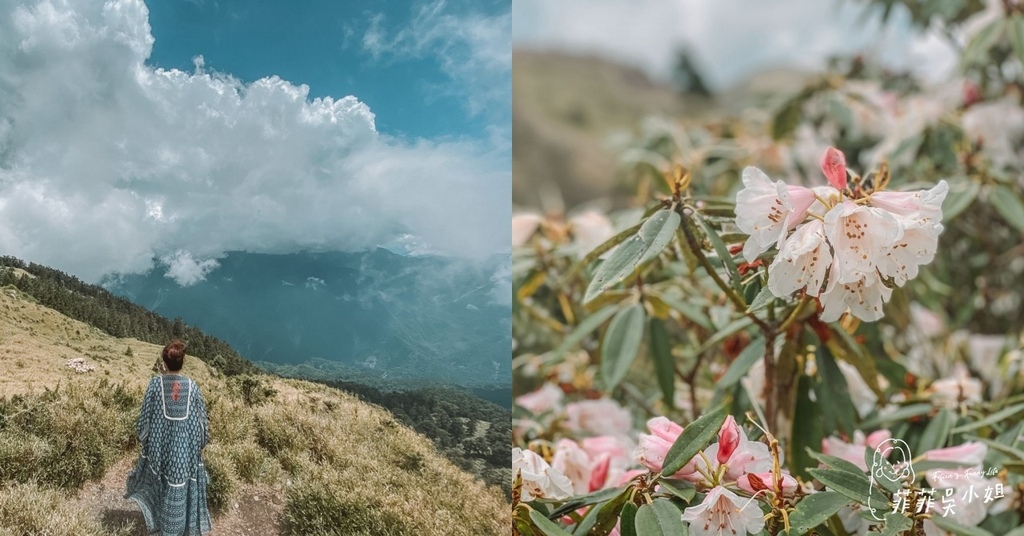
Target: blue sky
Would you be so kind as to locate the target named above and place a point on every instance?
(320, 43)
(305, 126)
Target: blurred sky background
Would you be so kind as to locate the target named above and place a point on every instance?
(731, 39)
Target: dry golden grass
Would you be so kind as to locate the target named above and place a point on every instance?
(340, 466)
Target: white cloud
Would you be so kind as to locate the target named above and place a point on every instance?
(186, 270)
(732, 38)
(473, 49)
(106, 163)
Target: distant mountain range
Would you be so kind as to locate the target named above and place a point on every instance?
(373, 316)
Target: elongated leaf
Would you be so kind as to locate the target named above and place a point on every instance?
(680, 488)
(660, 518)
(741, 365)
(898, 415)
(586, 327)
(814, 510)
(601, 518)
(689, 311)
(948, 524)
(998, 416)
(1017, 35)
(621, 344)
(652, 237)
(1009, 206)
(853, 485)
(727, 331)
(575, 503)
(844, 347)
(693, 439)
(627, 525)
(545, 525)
(835, 462)
(763, 298)
(961, 195)
(834, 394)
(896, 524)
(978, 47)
(721, 250)
(664, 364)
(937, 431)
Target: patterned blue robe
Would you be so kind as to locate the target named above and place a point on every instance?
(169, 480)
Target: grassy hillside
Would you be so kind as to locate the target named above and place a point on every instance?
(330, 463)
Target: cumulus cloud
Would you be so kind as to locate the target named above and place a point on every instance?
(472, 48)
(185, 269)
(731, 38)
(107, 163)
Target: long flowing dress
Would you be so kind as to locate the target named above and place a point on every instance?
(169, 481)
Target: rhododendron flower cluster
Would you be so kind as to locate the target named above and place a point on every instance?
(732, 462)
(847, 246)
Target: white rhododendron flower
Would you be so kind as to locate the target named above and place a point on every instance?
(724, 513)
(540, 480)
(766, 210)
(857, 242)
(802, 262)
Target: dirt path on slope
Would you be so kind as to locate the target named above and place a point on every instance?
(256, 510)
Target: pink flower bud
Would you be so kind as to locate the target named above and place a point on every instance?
(754, 482)
(833, 165)
(971, 452)
(728, 439)
(877, 437)
(599, 472)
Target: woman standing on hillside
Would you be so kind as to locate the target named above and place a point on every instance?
(169, 480)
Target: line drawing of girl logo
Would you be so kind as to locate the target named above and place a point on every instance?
(901, 468)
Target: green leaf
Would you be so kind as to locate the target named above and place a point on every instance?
(853, 485)
(628, 520)
(899, 415)
(575, 503)
(584, 328)
(834, 394)
(721, 250)
(814, 510)
(835, 462)
(896, 524)
(689, 311)
(996, 417)
(664, 364)
(601, 518)
(843, 346)
(937, 431)
(978, 48)
(660, 518)
(621, 344)
(741, 365)
(1008, 205)
(653, 236)
(961, 194)
(727, 331)
(1017, 35)
(808, 429)
(545, 525)
(763, 298)
(693, 439)
(679, 488)
(948, 525)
